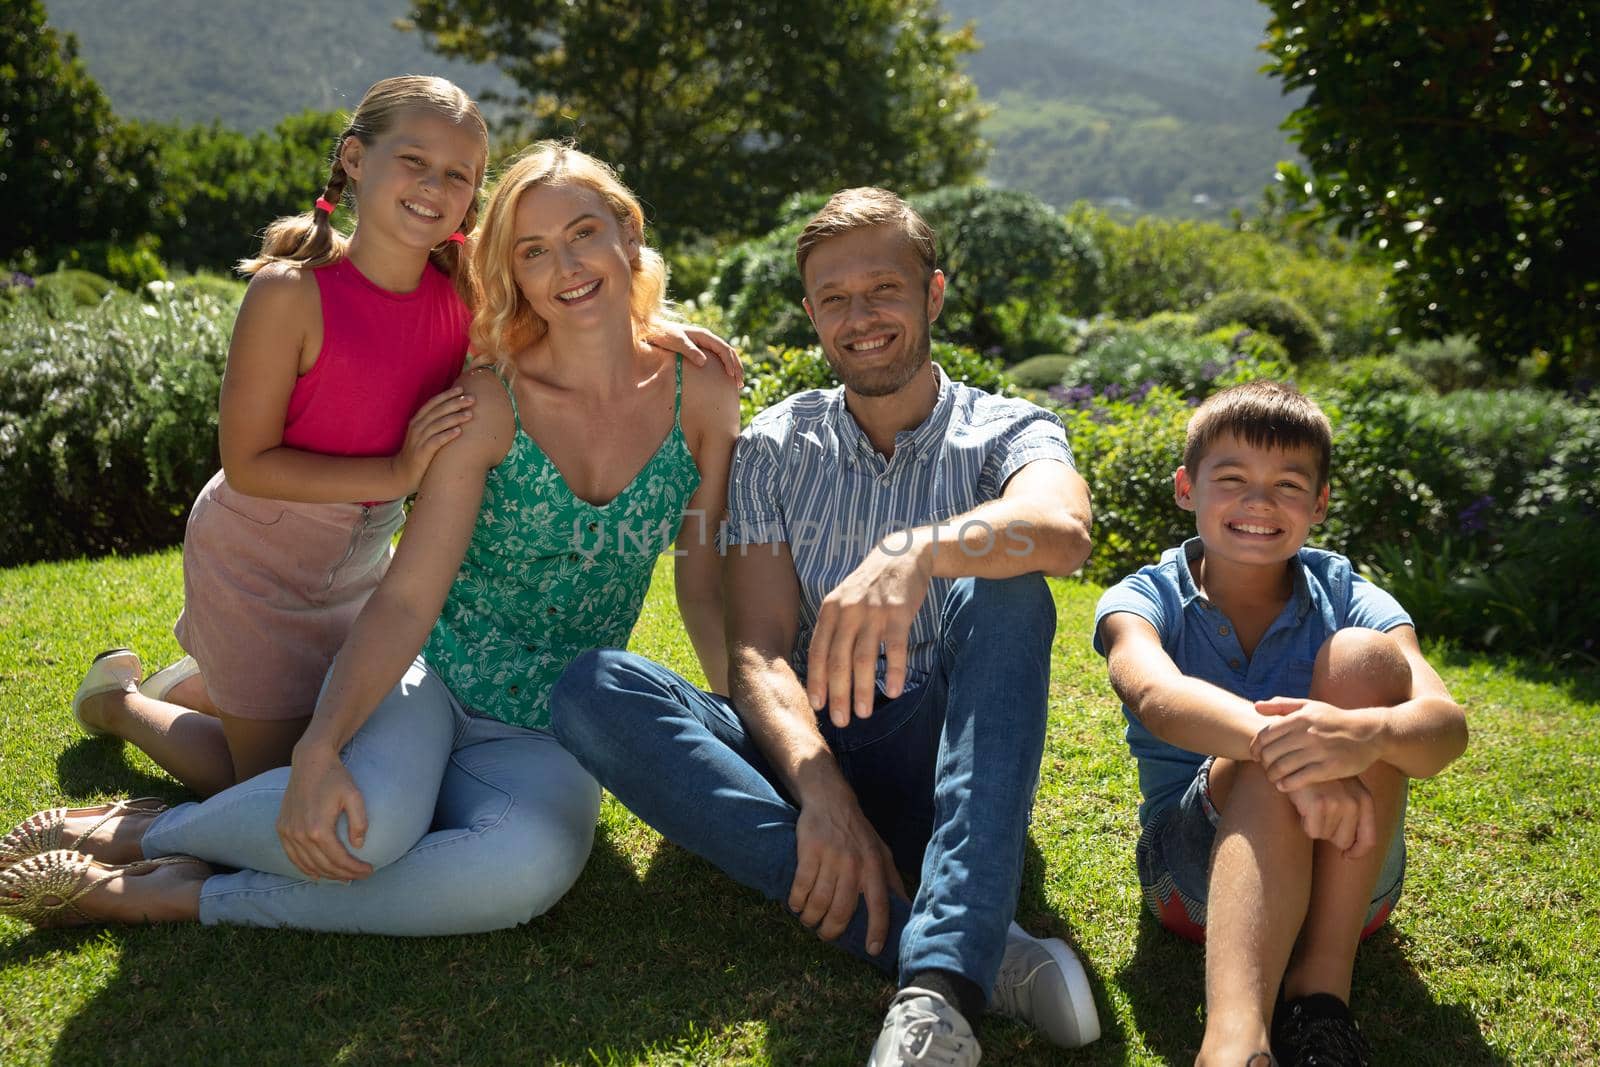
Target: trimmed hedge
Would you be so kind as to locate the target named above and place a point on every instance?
(1272, 314)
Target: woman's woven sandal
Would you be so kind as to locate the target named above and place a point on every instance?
(46, 831)
(44, 890)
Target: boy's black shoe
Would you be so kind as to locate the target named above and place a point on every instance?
(1318, 1031)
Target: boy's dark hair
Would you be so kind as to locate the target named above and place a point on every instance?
(1262, 414)
(857, 209)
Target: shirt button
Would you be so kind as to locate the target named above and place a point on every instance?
(1234, 664)
(572, 557)
(1223, 630)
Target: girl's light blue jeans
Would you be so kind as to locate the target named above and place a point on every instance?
(473, 825)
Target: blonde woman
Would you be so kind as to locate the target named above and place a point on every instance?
(441, 804)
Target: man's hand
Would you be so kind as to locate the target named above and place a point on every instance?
(874, 606)
(1340, 812)
(842, 858)
(1311, 742)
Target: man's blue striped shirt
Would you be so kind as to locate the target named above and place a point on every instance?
(805, 474)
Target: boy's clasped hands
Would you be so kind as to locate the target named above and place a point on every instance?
(1313, 752)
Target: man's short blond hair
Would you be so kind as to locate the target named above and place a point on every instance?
(858, 209)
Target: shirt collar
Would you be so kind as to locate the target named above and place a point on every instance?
(1188, 591)
(918, 444)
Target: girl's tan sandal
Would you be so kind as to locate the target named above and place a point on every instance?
(46, 831)
(44, 890)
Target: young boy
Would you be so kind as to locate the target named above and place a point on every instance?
(1277, 704)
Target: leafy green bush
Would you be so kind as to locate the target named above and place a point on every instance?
(1272, 314)
(1173, 325)
(1520, 594)
(1364, 375)
(65, 290)
(108, 422)
(1129, 364)
(217, 286)
(1041, 372)
(1127, 451)
(781, 372)
(1250, 344)
(1152, 265)
(1010, 261)
(757, 285)
(1449, 363)
(1396, 479)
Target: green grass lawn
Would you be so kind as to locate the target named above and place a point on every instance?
(656, 958)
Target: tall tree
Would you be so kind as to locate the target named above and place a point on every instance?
(69, 170)
(1461, 138)
(715, 110)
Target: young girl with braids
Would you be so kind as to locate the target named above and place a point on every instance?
(337, 396)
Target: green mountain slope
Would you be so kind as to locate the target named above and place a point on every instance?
(1155, 106)
(246, 63)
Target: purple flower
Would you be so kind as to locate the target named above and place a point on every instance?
(18, 280)
(1113, 391)
(1077, 396)
(1210, 369)
(1474, 518)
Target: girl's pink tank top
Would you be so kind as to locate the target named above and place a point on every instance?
(382, 355)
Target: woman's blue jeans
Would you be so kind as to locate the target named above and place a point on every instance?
(472, 824)
(946, 772)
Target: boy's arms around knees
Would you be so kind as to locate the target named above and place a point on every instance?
(1310, 741)
(1201, 717)
(1177, 708)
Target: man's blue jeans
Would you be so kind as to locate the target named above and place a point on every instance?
(946, 772)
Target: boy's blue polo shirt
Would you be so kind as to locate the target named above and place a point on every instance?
(1328, 596)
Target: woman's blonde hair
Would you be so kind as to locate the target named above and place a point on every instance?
(503, 323)
(309, 239)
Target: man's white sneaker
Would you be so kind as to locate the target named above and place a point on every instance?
(922, 1028)
(1043, 984)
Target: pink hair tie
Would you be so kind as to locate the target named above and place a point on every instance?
(325, 206)
(457, 237)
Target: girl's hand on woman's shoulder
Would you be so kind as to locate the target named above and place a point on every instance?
(436, 424)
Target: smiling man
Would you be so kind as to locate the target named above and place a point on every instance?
(889, 633)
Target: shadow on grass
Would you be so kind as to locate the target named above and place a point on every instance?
(1165, 984)
(681, 963)
(97, 766)
(1580, 681)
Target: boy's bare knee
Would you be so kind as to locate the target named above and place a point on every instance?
(1360, 668)
(1243, 783)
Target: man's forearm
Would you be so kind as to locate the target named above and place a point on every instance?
(773, 706)
(1000, 539)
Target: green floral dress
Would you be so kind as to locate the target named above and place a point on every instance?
(548, 575)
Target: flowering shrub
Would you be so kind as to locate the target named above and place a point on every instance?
(108, 421)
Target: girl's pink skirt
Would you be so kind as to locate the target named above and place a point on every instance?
(270, 591)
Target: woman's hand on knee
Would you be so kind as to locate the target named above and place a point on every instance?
(320, 789)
